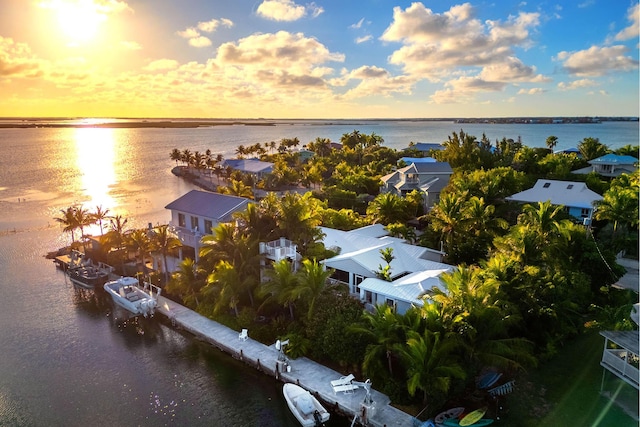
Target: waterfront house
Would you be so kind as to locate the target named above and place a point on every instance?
(576, 197)
(194, 214)
(425, 147)
(254, 167)
(610, 165)
(427, 177)
(276, 251)
(413, 271)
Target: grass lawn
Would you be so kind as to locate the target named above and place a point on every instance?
(566, 392)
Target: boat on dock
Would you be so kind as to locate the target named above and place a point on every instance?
(130, 295)
(84, 272)
(305, 407)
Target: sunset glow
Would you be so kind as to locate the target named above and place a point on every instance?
(291, 59)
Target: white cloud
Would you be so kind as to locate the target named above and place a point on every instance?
(212, 25)
(281, 10)
(129, 45)
(435, 45)
(577, 84)
(597, 61)
(357, 24)
(363, 39)
(162, 65)
(374, 81)
(200, 41)
(632, 31)
(531, 91)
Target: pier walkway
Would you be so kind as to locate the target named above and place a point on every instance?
(312, 376)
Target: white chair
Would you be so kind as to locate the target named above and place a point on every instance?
(342, 380)
(242, 336)
(347, 388)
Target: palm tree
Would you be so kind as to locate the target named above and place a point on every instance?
(430, 363)
(175, 155)
(447, 218)
(68, 220)
(237, 188)
(618, 205)
(281, 285)
(138, 241)
(100, 215)
(224, 286)
(312, 278)
(551, 142)
(187, 282)
(83, 218)
(187, 156)
(388, 208)
(385, 331)
(163, 240)
(592, 148)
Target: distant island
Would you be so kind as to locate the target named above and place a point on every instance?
(123, 122)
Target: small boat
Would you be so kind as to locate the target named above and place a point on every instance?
(452, 413)
(454, 422)
(472, 418)
(488, 379)
(89, 275)
(306, 408)
(127, 293)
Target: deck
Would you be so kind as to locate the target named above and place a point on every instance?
(310, 375)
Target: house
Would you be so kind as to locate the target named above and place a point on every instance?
(253, 167)
(427, 177)
(610, 165)
(276, 251)
(576, 197)
(425, 147)
(194, 214)
(414, 269)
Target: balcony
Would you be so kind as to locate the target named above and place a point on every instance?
(279, 249)
(187, 236)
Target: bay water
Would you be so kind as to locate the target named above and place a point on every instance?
(67, 357)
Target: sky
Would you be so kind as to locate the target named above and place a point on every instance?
(318, 59)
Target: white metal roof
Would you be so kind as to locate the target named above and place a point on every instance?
(564, 193)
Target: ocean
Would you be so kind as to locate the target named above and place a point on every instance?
(67, 358)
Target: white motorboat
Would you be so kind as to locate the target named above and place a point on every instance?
(128, 294)
(305, 407)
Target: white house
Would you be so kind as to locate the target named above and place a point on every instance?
(194, 214)
(610, 165)
(576, 197)
(414, 269)
(427, 177)
(257, 168)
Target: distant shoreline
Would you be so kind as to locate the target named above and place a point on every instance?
(69, 122)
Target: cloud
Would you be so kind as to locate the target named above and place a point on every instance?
(162, 65)
(597, 61)
(511, 70)
(287, 10)
(632, 31)
(196, 39)
(374, 81)
(16, 60)
(531, 91)
(357, 24)
(363, 39)
(434, 45)
(577, 84)
(129, 45)
(464, 89)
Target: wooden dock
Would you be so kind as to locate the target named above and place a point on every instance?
(310, 375)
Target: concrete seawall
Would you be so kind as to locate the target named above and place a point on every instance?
(310, 375)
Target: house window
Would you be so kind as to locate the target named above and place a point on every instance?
(181, 220)
(368, 297)
(546, 185)
(391, 303)
(208, 225)
(569, 187)
(584, 213)
(194, 222)
(356, 281)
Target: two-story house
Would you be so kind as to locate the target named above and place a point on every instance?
(194, 214)
(576, 197)
(427, 177)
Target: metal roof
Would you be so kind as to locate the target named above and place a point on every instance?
(215, 206)
(564, 193)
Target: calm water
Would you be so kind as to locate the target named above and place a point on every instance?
(68, 359)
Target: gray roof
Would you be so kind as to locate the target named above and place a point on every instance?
(209, 205)
(249, 165)
(428, 167)
(562, 193)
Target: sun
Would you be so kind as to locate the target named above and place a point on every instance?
(79, 20)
